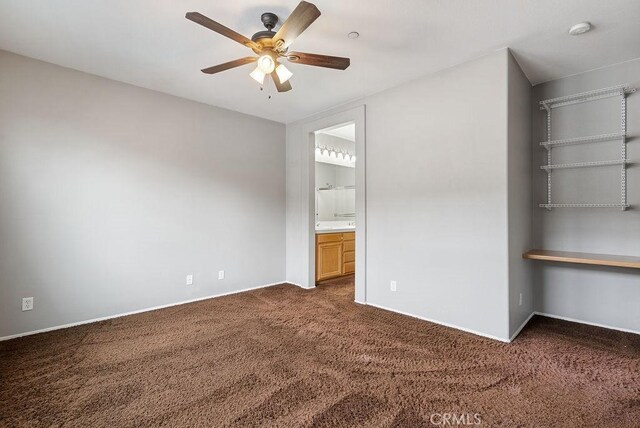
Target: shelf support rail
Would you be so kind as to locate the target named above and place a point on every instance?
(623, 148)
(548, 159)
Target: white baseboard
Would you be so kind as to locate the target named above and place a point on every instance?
(108, 317)
(299, 285)
(489, 336)
(625, 330)
(513, 336)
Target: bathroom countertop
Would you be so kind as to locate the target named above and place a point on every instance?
(344, 229)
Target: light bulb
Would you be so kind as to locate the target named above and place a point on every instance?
(318, 151)
(340, 156)
(266, 64)
(333, 154)
(353, 158)
(258, 75)
(283, 73)
(325, 152)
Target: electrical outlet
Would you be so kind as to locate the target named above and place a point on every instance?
(220, 274)
(27, 303)
(393, 286)
(520, 303)
(189, 279)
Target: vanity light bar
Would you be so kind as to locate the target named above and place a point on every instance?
(336, 153)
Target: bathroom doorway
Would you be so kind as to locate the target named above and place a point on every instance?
(337, 139)
(335, 205)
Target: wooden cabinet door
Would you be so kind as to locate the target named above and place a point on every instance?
(329, 260)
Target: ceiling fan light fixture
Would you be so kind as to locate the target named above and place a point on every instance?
(283, 73)
(258, 75)
(266, 64)
(268, 46)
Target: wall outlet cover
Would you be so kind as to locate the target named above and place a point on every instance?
(220, 274)
(394, 286)
(27, 303)
(189, 279)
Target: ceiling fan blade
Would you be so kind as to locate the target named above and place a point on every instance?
(302, 16)
(281, 87)
(227, 65)
(336, 62)
(209, 23)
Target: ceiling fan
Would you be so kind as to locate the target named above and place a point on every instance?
(269, 46)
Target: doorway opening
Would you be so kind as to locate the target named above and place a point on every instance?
(346, 217)
(335, 205)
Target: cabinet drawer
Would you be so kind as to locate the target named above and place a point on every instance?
(349, 267)
(349, 256)
(349, 245)
(349, 236)
(329, 237)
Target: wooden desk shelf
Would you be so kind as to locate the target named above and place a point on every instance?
(583, 258)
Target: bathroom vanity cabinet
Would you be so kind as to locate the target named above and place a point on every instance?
(335, 255)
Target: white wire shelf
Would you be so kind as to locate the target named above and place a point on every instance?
(549, 206)
(582, 140)
(337, 188)
(584, 164)
(582, 97)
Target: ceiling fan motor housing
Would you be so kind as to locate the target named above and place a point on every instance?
(269, 20)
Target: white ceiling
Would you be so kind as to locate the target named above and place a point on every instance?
(346, 132)
(151, 44)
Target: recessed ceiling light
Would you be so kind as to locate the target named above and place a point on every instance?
(580, 28)
(353, 35)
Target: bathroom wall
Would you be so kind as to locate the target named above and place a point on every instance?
(338, 201)
(603, 296)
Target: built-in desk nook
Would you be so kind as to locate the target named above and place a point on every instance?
(583, 258)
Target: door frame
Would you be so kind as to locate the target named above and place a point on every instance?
(357, 116)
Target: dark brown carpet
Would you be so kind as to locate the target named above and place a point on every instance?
(284, 356)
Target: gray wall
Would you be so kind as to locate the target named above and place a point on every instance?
(110, 194)
(436, 196)
(608, 297)
(520, 199)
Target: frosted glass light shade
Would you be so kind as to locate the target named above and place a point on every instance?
(266, 64)
(283, 73)
(258, 75)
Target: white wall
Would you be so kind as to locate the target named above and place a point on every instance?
(604, 296)
(521, 287)
(111, 194)
(436, 196)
